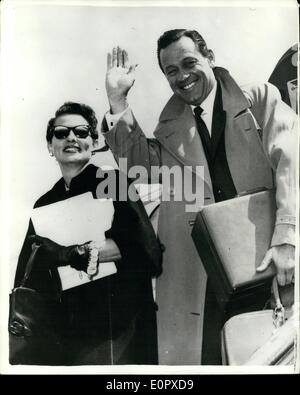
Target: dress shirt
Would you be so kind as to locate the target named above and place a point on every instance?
(112, 119)
(208, 107)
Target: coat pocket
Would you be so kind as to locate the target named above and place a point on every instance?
(248, 123)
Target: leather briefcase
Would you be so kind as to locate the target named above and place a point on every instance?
(232, 238)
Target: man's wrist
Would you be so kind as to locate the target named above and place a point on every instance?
(283, 234)
(118, 105)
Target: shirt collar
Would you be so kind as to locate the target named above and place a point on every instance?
(208, 104)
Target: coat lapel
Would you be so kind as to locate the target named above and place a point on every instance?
(218, 122)
(229, 102)
(243, 146)
(233, 99)
(177, 133)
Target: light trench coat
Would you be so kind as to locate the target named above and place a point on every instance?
(261, 149)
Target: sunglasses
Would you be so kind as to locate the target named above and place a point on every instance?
(80, 131)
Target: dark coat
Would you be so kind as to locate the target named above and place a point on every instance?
(111, 320)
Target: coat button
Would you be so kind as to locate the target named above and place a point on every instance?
(162, 247)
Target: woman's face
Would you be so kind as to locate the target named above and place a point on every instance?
(71, 148)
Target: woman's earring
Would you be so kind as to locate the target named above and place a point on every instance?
(93, 152)
(51, 154)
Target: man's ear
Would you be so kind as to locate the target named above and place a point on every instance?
(211, 58)
(95, 143)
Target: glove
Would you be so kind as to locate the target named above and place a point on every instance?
(55, 255)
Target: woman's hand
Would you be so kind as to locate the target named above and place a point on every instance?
(56, 255)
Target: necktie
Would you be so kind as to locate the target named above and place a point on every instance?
(203, 132)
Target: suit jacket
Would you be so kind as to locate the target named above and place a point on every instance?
(261, 149)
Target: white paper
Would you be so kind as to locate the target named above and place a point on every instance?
(75, 221)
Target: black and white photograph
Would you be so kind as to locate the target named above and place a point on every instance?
(149, 187)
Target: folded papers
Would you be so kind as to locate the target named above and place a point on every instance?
(75, 221)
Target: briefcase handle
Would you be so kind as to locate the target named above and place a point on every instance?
(279, 311)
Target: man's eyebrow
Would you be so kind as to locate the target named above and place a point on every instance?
(170, 66)
(189, 58)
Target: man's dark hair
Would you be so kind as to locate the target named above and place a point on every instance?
(174, 35)
(74, 108)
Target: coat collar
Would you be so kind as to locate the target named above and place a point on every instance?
(179, 136)
(80, 183)
(234, 101)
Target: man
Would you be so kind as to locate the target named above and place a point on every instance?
(248, 135)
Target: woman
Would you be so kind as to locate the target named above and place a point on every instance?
(111, 320)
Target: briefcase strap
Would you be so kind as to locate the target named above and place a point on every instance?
(29, 265)
(278, 312)
(251, 191)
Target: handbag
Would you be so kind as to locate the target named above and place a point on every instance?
(34, 319)
(263, 337)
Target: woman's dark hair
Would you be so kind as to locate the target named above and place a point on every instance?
(174, 35)
(74, 108)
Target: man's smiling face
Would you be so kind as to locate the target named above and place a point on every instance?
(188, 72)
